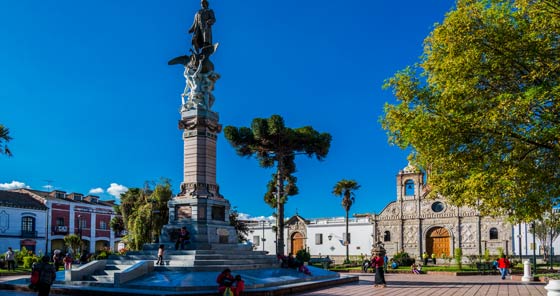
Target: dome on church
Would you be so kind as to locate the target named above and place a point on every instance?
(409, 169)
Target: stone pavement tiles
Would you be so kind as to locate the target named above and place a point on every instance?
(435, 285)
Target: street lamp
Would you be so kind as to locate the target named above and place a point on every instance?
(534, 249)
(519, 246)
(80, 231)
(263, 239)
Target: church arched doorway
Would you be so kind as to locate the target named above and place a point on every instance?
(297, 242)
(438, 242)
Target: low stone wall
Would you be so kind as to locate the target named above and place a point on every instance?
(135, 271)
(83, 272)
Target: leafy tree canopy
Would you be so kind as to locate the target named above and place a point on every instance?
(144, 212)
(480, 110)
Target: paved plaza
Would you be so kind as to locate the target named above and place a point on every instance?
(416, 285)
(435, 285)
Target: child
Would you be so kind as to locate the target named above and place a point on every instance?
(68, 261)
(239, 285)
(160, 251)
(414, 268)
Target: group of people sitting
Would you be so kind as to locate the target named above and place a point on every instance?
(291, 262)
(229, 285)
(416, 268)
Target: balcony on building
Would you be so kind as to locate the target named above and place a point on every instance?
(62, 229)
(28, 234)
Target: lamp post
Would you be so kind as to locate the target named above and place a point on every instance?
(534, 249)
(520, 250)
(80, 231)
(262, 238)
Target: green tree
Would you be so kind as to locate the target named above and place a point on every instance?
(4, 139)
(546, 227)
(117, 224)
(345, 189)
(73, 241)
(144, 212)
(241, 227)
(275, 144)
(480, 111)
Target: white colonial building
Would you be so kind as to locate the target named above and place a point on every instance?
(23, 222)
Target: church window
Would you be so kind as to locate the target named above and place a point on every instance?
(438, 206)
(493, 233)
(387, 236)
(409, 188)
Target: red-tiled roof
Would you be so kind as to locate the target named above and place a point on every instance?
(20, 200)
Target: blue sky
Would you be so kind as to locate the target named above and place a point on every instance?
(92, 105)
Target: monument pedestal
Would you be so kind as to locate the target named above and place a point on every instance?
(199, 206)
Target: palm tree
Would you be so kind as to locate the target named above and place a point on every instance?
(4, 138)
(275, 144)
(345, 189)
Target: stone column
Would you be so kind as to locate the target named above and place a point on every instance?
(199, 206)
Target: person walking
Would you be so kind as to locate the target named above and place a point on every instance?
(425, 257)
(160, 252)
(434, 258)
(11, 259)
(377, 263)
(68, 261)
(503, 265)
(47, 275)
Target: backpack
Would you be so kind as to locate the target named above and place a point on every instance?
(228, 292)
(35, 277)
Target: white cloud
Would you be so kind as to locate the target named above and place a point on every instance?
(116, 190)
(243, 216)
(97, 190)
(13, 185)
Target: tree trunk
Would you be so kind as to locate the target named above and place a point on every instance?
(346, 242)
(279, 210)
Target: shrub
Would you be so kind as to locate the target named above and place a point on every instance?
(403, 259)
(303, 256)
(458, 257)
(486, 255)
(101, 256)
(29, 260)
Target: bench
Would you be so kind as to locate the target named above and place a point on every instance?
(485, 267)
(325, 262)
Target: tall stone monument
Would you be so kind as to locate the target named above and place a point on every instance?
(199, 206)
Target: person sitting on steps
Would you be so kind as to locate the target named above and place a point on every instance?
(184, 238)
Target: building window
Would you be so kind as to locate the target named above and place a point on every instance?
(409, 188)
(27, 224)
(59, 221)
(387, 236)
(82, 223)
(103, 225)
(438, 207)
(318, 238)
(256, 240)
(348, 238)
(493, 233)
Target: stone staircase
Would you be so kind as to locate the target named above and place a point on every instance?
(107, 275)
(216, 258)
(213, 259)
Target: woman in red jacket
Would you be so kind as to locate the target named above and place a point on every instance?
(503, 265)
